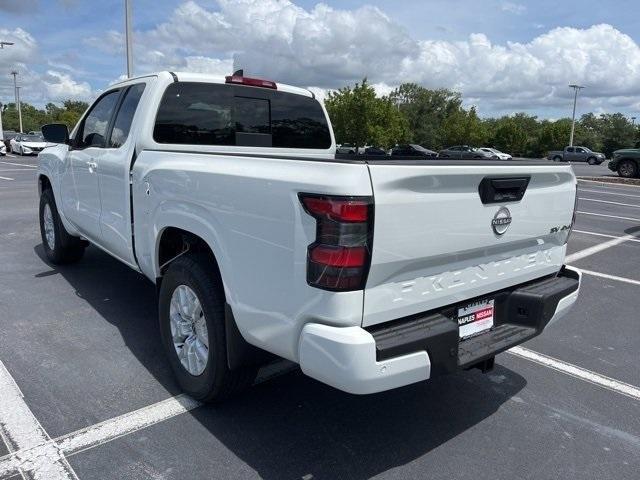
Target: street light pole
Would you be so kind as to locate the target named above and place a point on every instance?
(576, 88)
(128, 37)
(19, 108)
(16, 91)
(633, 121)
(1, 129)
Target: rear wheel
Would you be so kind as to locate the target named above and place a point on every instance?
(59, 246)
(191, 307)
(557, 158)
(628, 169)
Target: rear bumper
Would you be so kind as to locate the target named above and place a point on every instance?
(409, 350)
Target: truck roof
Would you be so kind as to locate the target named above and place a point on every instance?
(210, 78)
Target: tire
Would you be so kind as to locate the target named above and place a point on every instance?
(209, 380)
(628, 169)
(557, 158)
(60, 247)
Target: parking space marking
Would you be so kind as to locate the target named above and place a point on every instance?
(611, 277)
(604, 235)
(59, 448)
(608, 201)
(19, 164)
(577, 372)
(587, 252)
(609, 216)
(20, 430)
(608, 184)
(6, 178)
(610, 193)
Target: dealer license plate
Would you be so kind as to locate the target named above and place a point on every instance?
(475, 318)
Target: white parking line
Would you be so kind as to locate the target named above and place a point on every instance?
(20, 430)
(611, 277)
(609, 202)
(19, 164)
(6, 178)
(608, 184)
(609, 216)
(604, 235)
(578, 372)
(574, 257)
(49, 451)
(609, 193)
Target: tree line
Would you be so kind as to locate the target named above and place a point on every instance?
(33, 118)
(411, 113)
(437, 119)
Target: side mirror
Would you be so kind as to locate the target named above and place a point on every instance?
(55, 133)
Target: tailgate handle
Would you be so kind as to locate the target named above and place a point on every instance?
(501, 189)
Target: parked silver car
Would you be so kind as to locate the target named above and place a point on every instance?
(465, 151)
(26, 144)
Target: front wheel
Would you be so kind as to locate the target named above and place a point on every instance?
(59, 246)
(191, 307)
(627, 169)
(592, 161)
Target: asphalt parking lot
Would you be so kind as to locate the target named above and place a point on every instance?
(94, 398)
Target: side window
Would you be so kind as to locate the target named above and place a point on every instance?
(93, 131)
(570, 150)
(122, 124)
(298, 122)
(196, 114)
(579, 150)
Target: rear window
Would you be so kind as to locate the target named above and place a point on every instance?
(215, 114)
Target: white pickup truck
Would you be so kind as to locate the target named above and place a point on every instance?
(369, 273)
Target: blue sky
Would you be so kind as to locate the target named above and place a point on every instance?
(504, 56)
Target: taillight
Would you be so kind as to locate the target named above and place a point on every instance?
(340, 256)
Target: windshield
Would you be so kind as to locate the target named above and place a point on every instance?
(33, 138)
(586, 149)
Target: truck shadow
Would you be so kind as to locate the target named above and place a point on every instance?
(293, 426)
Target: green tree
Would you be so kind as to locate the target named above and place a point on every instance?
(463, 127)
(361, 118)
(425, 110)
(33, 118)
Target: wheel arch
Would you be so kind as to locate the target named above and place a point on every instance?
(44, 183)
(174, 242)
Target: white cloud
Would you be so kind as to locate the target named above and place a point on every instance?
(328, 48)
(61, 86)
(55, 84)
(514, 8)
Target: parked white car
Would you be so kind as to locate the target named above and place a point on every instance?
(27, 144)
(371, 274)
(498, 153)
(3, 148)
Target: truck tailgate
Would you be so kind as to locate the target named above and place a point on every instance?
(435, 241)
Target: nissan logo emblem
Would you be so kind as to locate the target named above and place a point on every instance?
(501, 221)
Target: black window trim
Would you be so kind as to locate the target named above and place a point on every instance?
(80, 129)
(116, 111)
